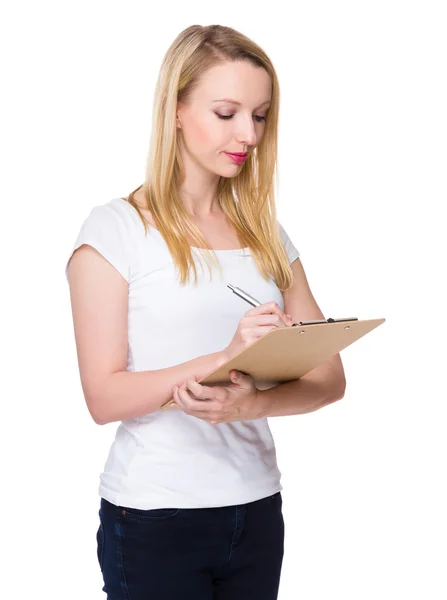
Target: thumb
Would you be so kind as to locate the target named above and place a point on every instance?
(236, 376)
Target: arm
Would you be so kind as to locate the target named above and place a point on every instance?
(324, 384)
(125, 395)
(99, 301)
(314, 390)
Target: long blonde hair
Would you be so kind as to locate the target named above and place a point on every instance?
(247, 199)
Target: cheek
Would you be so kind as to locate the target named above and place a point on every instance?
(205, 134)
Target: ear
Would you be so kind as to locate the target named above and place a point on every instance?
(177, 117)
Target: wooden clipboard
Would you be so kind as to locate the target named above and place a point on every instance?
(288, 353)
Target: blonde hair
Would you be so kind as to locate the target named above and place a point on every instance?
(247, 199)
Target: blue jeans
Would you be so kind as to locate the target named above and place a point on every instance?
(224, 553)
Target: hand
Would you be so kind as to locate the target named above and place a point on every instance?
(221, 404)
(255, 324)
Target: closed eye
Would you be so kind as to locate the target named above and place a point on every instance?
(230, 116)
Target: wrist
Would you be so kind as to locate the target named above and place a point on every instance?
(264, 403)
(222, 357)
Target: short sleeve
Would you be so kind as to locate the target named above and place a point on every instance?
(290, 249)
(107, 230)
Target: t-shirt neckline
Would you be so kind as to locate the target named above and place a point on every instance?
(228, 251)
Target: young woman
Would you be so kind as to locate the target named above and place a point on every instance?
(191, 504)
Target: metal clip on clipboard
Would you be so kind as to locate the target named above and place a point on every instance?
(329, 320)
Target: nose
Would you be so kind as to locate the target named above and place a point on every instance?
(246, 131)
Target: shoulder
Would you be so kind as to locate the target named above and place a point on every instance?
(290, 248)
(114, 216)
(110, 229)
(144, 211)
(117, 209)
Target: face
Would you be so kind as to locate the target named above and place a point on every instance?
(211, 126)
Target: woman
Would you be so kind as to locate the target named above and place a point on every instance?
(191, 504)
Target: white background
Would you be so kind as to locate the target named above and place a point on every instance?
(362, 162)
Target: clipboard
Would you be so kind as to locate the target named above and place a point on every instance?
(287, 353)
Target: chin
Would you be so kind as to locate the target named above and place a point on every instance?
(231, 169)
(229, 174)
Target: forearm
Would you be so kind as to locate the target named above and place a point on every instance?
(127, 394)
(297, 397)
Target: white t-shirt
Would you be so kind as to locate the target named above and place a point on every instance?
(167, 458)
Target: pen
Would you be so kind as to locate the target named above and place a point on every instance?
(246, 297)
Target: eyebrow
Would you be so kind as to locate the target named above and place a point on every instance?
(238, 103)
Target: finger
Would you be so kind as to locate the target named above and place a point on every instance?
(269, 319)
(206, 409)
(266, 308)
(236, 377)
(270, 308)
(201, 391)
(195, 388)
(242, 380)
(177, 400)
(193, 405)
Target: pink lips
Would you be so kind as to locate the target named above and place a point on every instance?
(237, 158)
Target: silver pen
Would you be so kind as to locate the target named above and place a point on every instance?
(244, 295)
(247, 297)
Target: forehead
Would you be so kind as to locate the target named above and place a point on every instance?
(239, 80)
